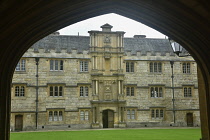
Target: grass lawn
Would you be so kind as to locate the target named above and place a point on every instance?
(128, 134)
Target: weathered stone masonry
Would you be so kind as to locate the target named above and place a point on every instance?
(103, 81)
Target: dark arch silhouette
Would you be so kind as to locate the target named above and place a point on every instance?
(25, 22)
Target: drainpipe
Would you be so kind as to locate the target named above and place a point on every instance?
(172, 80)
(37, 89)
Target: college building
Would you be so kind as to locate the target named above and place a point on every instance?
(103, 80)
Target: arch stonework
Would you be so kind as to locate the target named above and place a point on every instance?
(24, 23)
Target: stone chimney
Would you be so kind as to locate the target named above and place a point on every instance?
(139, 36)
(106, 27)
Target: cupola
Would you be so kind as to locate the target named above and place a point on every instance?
(106, 27)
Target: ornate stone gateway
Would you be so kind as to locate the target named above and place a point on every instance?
(108, 118)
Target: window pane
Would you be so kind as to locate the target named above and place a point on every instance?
(159, 67)
(51, 91)
(151, 67)
(161, 113)
(22, 91)
(55, 116)
(184, 68)
(128, 114)
(56, 90)
(155, 67)
(61, 64)
(17, 91)
(51, 65)
(56, 64)
(132, 66)
(82, 115)
(86, 66)
(50, 116)
(127, 67)
(153, 113)
(157, 113)
(188, 68)
(86, 91)
(152, 92)
(160, 92)
(132, 91)
(23, 65)
(189, 92)
(81, 91)
(185, 92)
(133, 114)
(156, 92)
(128, 91)
(86, 115)
(81, 66)
(60, 115)
(60, 91)
(18, 66)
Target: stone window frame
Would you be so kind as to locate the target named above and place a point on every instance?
(51, 115)
(157, 95)
(21, 65)
(84, 90)
(129, 66)
(186, 92)
(128, 90)
(84, 65)
(131, 114)
(84, 114)
(186, 67)
(156, 67)
(17, 95)
(51, 93)
(59, 65)
(157, 113)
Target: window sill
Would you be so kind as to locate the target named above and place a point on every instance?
(158, 73)
(20, 72)
(56, 122)
(156, 97)
(19, 98)
(83, 98)
(84, 72)
(57, 97)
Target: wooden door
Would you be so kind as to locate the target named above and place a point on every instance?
(105, 119)
(110, 119)
(18, 122)
(189, 119)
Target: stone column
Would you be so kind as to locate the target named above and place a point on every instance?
(204, 106)
(120, 114)
(123, 114)
(96, 66)
(96, 85)
(119, 86)
(93, 62)
(94, 113)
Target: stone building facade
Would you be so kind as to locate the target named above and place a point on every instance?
(103, 81)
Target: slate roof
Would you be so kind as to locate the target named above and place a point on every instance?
(147, 45)
(81, 43)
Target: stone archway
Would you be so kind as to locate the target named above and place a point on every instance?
(24, 23)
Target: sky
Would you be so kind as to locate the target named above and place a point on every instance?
(119, 23)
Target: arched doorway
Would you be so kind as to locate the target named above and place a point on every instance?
(108, 118)
(18, 122)
(185, 22)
